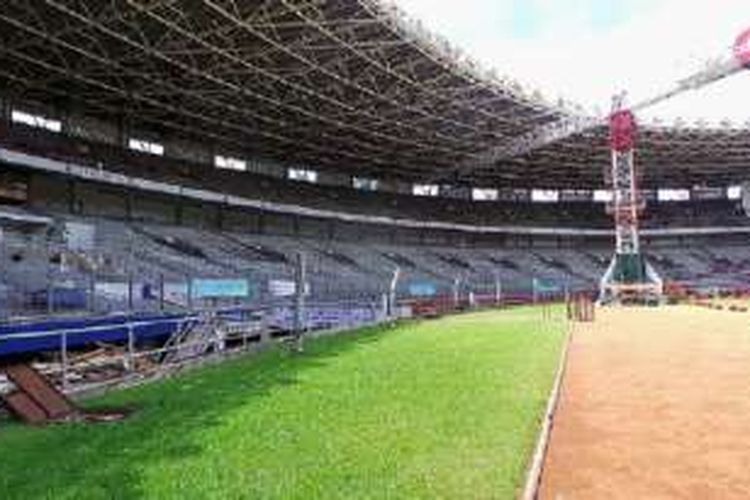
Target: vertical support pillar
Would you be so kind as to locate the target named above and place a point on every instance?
(299, 300)
(48, 276)
(392, 292)
(161, 292)
(498, 290)
(130, 292)
(5, 110)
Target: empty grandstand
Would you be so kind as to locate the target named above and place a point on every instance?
(183, 182)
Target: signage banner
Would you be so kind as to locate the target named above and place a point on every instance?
(220, 288)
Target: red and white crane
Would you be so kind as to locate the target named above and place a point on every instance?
(629, 275)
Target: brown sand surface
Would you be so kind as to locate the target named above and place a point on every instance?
(655, 404)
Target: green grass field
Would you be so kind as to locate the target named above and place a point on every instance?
(447, 408)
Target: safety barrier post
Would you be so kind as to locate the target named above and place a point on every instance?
(130, 358)
(64, 360)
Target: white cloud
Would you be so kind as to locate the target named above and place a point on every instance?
(659, 43)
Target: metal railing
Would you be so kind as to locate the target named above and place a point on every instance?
(129, 341)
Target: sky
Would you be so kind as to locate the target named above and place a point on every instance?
(585, 51)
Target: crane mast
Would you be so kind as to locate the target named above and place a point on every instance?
(629, 276)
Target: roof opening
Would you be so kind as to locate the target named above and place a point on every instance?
(143, 146)
(230, 163)
(484, 194)
(36, 121)
(545, 195)
(673, 195)
(425, 189)
(302, 174)
(603, 195)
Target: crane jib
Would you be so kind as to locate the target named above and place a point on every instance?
(742, 48)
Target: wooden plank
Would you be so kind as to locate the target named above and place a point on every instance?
(25, 408)
(31, 382)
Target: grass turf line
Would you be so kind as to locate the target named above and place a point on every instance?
(448, 408)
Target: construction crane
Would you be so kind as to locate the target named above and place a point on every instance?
(629, 276)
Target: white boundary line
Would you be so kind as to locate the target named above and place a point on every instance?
(536, 465)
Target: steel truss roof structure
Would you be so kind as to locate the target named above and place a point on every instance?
(666, 157)
(347, 85)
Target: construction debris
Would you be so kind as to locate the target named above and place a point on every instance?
(34, 399)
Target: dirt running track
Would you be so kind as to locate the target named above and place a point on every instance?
(655, 404)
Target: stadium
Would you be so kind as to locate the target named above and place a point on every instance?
(311, 249)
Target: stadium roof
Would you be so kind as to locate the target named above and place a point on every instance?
(348, 85)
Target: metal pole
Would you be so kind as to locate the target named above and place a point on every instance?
(64, 360)
(161, 292)
(498, 290)
(392, 291)
(92, 292)
(130, 362)
(50, 292)
(130, 292)
(299, 302)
